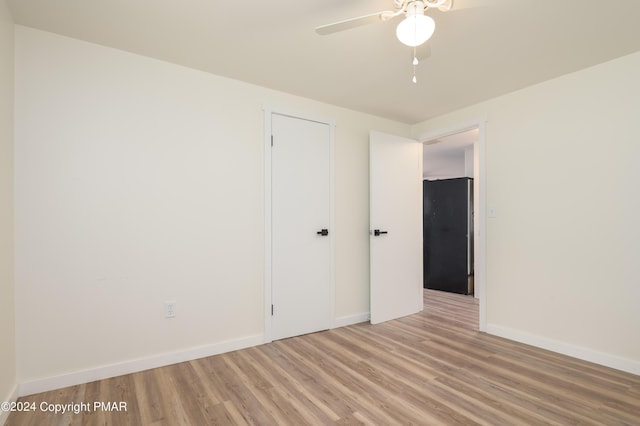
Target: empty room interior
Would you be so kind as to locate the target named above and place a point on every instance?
(229, 213)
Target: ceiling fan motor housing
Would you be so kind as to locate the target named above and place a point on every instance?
(417, 27)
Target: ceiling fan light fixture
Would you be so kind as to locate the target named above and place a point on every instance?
(417, 27)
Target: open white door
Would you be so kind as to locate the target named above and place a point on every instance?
(395, 185)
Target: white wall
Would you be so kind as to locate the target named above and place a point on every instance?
(562, 251)
(139, 181)
(7, 328)
(447, 165)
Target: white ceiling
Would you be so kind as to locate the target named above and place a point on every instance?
(482, 49)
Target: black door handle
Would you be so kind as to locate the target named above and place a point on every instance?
(377, 232)
(323, 232)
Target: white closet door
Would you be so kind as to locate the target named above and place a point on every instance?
(301, 250)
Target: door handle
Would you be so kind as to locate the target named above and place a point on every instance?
(377, 232)
(323, 232)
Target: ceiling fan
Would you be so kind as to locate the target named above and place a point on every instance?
(413, 31)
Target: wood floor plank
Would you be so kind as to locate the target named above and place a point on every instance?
(318, 389)
(149, 400)
(334, 379)
(316, 411)
(173, 411)
(432, 368)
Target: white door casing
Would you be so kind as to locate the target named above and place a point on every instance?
(300, 274)
(395, 185)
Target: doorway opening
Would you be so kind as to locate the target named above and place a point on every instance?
(454, 155)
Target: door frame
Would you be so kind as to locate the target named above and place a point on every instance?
(480, 222)
(268, 285)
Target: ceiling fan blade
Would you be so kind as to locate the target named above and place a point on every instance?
(354, 22)
(457, 5)
(446, 6)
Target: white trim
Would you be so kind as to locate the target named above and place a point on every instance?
(480, 245)
(12, 397)
(267, 224)
(351, 319)
(601, 358)
(332, 220)
(135, 365)
(268, 112)
(269, 109)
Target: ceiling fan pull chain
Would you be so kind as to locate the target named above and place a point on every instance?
(415, 62)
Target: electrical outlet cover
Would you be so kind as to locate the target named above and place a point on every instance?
(170, 309)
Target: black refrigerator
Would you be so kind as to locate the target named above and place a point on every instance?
(448, 235)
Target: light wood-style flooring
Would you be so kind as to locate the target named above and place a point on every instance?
(427, 369)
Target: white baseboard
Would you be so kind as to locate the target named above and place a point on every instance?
(136, 365)
(586, 354)
(351, 319)
(12, 397)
